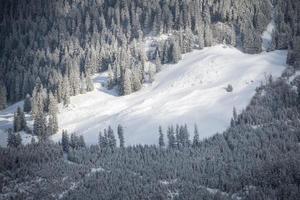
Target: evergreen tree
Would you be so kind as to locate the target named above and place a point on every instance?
(19, 121)
(65, 141)
(89, 84)
(121, 136)
(3, 96)
(171, 137)
(175, 52)
(161, 138)
(13, 140)
(27, 104)
(196, 140)
(52, 115)
(66, 91)
(111, 138)
(39, 126)
(157, 61)
(126, 82)
(37, 99)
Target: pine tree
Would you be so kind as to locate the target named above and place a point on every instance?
(111, 138)
(13, 140)
(74, 141)
(175, 52)
(18, 140)
(157, 61)
(38, 99)
(66, 91)
(121, 136)
(3, 96)
(52, 115)
(171, 137)
(10, 138)
(21, 115)
(65, 141)
(27, 104)
(89, 84)
(196, 140)
(17, 122)
(126, 85)
(161, 138)
(39, 126)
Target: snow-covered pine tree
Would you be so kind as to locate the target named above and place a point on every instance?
(40, 126)
(38, 99)
(66, 91)
(126, 85)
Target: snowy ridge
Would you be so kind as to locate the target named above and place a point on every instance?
(191, 92)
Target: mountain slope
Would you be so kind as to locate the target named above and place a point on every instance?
(192, 92)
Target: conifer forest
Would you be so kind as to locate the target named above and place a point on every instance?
(149, 99)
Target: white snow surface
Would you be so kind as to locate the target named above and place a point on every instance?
(191, 92)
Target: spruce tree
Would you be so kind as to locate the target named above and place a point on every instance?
(65, 141)
(171, 137)
(126, 86)
(121, 136)
(196, 140)
(111, 138)
(161, 138)
(17, 122)
(52, 114)
(39, 126)
(37, 99)
(3, 96)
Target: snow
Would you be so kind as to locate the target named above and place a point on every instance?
(6, 121)
(191, 92)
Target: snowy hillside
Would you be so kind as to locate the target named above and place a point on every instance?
(191, 91)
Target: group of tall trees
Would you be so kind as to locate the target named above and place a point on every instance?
(65, 42)
(256, 158)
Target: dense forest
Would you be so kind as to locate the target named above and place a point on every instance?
(256, 158)
(63, 42)
(49, 51)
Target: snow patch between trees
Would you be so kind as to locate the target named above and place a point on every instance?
(191, 92)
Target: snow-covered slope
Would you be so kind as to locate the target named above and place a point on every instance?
(191, 92)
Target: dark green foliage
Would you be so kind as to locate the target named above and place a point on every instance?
(121, 136)
(13, 139)
(161, 141)
(65, 141)
(19, 121)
